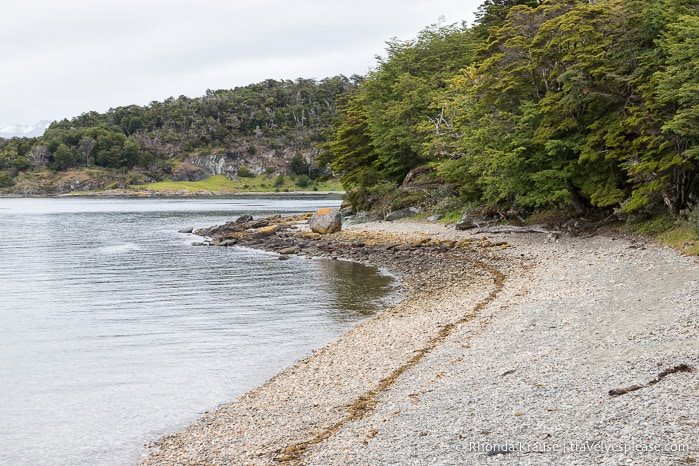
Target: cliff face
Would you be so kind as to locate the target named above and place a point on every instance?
(228, 163)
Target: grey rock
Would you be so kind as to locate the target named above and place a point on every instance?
(363, 217)
(466, 223)
(186, 230)
(436, 217)
(216, 164)
(348, 211)
(188, 172)
(402, 213)
(244, 218)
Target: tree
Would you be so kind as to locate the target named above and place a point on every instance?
(64, 158)
(6, 179)
(674, 168)
(380, 130)
(85, 146)
(299, 165)
(349, 151)
(651, 142)
(39, 156)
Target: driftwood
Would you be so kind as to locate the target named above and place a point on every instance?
(514, 229)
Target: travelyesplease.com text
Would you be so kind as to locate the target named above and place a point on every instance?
(573, 447)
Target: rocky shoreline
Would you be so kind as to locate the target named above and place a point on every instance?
(517, 340)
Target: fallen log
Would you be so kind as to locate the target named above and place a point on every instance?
(514, 229)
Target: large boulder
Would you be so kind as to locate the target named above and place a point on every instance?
(326, 221)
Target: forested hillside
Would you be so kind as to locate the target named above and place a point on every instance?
(264, 125)
(580, 104)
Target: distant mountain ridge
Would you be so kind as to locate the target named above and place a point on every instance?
(25, 131)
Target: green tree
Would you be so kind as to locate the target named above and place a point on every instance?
(64, 158)
(527, 117)
(299, 165)
(670, 169)
(6, 179)
(382, 127)
(350, 151)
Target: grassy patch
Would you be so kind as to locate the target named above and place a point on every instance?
(653, 226)
(222, 185)
(683, 238)
(677, 234)
(452, 216)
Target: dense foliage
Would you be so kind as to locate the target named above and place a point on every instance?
(581, 104)
(271, 114)
(587, 104)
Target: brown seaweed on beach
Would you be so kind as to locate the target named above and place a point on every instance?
(661, 376)
(623, 391)
(674, 370)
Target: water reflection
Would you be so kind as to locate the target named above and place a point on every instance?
(354, 288)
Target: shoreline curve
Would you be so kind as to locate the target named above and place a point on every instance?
(521, 349)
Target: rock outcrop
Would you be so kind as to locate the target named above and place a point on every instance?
(189, 172)
(263, 159)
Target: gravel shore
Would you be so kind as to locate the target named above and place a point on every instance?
(505, 350)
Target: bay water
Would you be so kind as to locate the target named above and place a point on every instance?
(115, 330)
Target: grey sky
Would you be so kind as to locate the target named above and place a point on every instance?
(63, 58)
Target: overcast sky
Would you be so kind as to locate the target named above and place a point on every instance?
(63, 58)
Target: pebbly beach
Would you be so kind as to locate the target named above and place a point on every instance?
(505, 349)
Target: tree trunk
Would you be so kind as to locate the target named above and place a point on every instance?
(580, 204)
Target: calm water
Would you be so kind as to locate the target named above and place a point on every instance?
(114, 330)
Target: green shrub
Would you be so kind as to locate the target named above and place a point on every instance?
(691, 217)
(298, 164)
(244, 172)
(6, 180)
(448, 204)
(379, 198)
